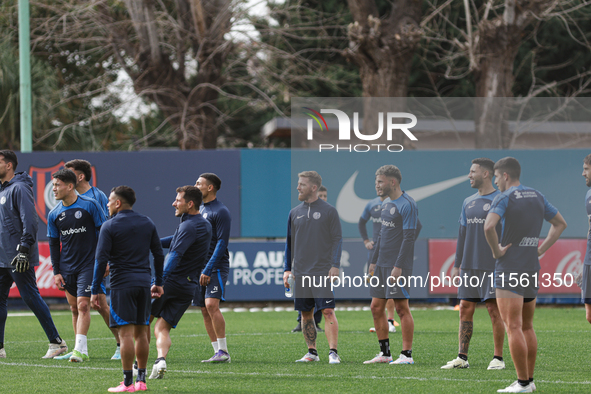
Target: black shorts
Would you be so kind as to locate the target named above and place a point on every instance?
(79, 284)
(586, 286)
(476, 286)
(130, 305)
(521, 283)
(173, 304)
(385, 288)
(215, 289)
(308, 304)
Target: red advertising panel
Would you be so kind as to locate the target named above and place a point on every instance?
(559, 266)
(442, 254)
(44, 273)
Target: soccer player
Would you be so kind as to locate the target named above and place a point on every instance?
(323, 195)
(473, 259)
(314, 235)
(188, 251)
(586, 277)
(19, 252)
(83, 171)
(74, 222)
(212, 282)
(522, 211)
(391, 260)
(373, 211)
(125, 242)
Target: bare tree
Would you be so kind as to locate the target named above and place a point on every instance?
(383, 49)
(484, 43)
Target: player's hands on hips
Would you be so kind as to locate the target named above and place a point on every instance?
(497, 254)
(396, 272)
(107, 271)
(59, 282)
(20, 262)
(157, 291)
(285, 277)
(368, 244)
(94, 302)
(455, 271)
(204, 280)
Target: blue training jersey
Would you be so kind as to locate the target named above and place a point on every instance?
(522, 211)
(100, 197)
(125, 242)
(373, 212)
(189, 249)
(76, 227)
(314, 239)
(218, 215)
(395, 245)
(588, 208)
(472, 250)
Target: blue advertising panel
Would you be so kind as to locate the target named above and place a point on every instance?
(266, 191)
(154, 176)
(438, 181)
(256, 271)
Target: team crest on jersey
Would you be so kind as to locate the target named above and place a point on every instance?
(78, 214)
(392, 210)
(486, 207)
(3, 200)
(205, 215)
(316, 215)
(42, 188)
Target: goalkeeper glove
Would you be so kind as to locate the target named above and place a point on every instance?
(21, 260)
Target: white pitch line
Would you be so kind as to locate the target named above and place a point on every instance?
(291, 375)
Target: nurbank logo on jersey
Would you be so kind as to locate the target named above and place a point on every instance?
(74, 231)
(475, 221)
(345, 130)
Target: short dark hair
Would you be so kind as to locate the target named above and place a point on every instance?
(486, 164)
(192, 193)
(587, 159)
(82, 166)
(65, 175)
(213, 179)
(322, 189)
(511, 166)
(391, 171)
(9, 157)
(125, 193)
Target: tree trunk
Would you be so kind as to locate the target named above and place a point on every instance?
(383, 49)
(498, 43)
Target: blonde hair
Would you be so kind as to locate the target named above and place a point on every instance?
(313, 176)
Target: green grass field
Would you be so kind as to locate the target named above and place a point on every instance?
(263, 353)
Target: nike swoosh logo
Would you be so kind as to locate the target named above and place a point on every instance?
(300, 216)
(350, 206)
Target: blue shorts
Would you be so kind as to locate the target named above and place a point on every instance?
(173, 304)
(389, 289)
(130, 305)
(79, 284)
(504, 281)
(478, 287)
(215, 289)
